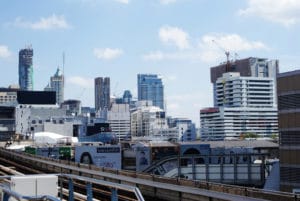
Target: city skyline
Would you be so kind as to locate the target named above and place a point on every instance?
(122, 38)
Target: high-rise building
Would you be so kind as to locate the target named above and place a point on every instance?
(26, 69)
(249, 67)
(118, 118)
(244, 105)
(150, 87)
(233, 90)
(57, 84)
(244, 100)
(288, 90)
(102, 93)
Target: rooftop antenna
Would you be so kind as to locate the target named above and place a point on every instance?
(63, 71)
(63, 64)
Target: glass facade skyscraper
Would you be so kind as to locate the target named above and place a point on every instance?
(150, 87)
(26, 69)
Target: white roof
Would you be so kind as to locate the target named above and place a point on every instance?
(52, 138)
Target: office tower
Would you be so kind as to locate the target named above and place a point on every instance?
(288, 90)
(57, 84)
(249, 67)
(102, 93)
(26, 69)
(150, 87)
(233, 90)
(118, 118)
(244, 100)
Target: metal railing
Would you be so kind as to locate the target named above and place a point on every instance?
(114, 187)
(8, 193)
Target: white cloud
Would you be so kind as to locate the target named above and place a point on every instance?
(4, 52)
(51, 22)
(285, 12)
(232, 42)
(210, 48)
(181, 55)
(174, 35)
(173, 106)
(123, 1)
(213, 46)
(107, 53)
(81, 81)
(154, 56)
(166, 2)
(170, 77)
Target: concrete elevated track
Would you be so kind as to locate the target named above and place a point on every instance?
(151, 186)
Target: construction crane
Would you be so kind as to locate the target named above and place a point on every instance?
(227, 53)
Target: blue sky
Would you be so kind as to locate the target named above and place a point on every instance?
(121, 38)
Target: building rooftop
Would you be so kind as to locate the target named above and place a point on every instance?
(295, 72)
(238, 143)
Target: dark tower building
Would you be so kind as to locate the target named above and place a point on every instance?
(288, 91)
(102, 93)
(26, 69)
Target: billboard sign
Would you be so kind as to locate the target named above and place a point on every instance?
(142, 158)
(103, 156)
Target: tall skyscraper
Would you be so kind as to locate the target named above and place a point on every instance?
(102, 93)
(150, 87)
(288, 90)
(26, 69)
(57, 84)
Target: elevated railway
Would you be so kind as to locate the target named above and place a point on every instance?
(151, 186)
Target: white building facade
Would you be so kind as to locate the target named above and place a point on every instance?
(31, 118)
(225, 123)
(119, 120)
(232, 90)
(150, 122)
(245, 105)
